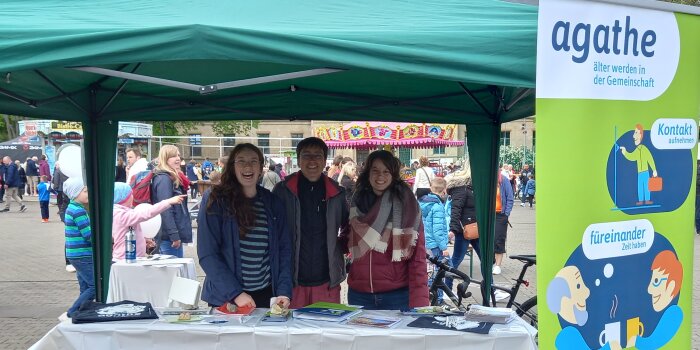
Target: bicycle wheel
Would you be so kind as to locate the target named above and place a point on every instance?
(528, 311)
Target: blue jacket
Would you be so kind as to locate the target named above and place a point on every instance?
(44, 191)
(530, 187)
(32, 168)
(507, 196)
(11, 176)
(207, 168)
(176, 221)
(434, 222)
(218, 245)
(190, 172)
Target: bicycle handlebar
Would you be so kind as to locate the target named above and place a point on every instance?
(442, 264)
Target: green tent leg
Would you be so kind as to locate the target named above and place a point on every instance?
(483, 143)
(100, 146)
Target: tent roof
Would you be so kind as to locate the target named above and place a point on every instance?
(397, 60)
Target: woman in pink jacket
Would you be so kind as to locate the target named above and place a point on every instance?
(123, 217)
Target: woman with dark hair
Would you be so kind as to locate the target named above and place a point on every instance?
(386, 240)
(243, 241)
(120, 175)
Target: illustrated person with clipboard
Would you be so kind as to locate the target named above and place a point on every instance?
(645, 160)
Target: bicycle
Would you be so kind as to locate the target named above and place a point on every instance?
(445, 270)
(527, 310)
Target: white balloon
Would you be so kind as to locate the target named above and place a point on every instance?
(71, 161)
(151, 226)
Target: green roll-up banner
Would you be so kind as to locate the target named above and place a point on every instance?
(618, 95)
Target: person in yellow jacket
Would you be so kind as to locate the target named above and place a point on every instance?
(645, 160)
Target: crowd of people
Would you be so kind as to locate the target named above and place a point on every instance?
(263, 233)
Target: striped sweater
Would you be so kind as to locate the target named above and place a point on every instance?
(78, 234)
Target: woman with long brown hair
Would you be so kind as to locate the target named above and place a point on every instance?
(386, 240)
(243, 242)
(176, 227)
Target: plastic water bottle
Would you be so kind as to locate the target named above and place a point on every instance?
(130, 247)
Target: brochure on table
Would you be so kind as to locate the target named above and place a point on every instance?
(618, 96)
(323, 311)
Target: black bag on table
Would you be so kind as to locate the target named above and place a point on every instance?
(125, 310)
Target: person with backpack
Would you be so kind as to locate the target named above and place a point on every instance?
(207, 168)
(166, 182)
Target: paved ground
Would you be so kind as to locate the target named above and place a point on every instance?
(35, 287)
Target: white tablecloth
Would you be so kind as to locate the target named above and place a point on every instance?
(250, 334)
(146, 280)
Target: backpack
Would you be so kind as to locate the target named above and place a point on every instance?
(141, 187)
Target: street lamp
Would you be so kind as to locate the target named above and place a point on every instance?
(522, 128)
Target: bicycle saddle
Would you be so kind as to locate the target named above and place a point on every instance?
(531, 258)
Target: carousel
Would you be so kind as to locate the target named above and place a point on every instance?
(390, 136)
(371, 135)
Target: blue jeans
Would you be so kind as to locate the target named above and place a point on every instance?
(166, 248)
(460, 251)
(396, 299)
(85, 272)
(643, 193)
(436, 252)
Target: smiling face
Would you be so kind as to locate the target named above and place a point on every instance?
(379, 177)
(311, 162)
(661, 290)
(573, 308)
(247, 166)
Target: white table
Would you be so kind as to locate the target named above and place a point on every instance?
(147, 280)
(295, 334)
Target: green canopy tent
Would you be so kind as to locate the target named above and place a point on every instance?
(468, 62)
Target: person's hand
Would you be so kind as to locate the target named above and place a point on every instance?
(632, 341)
(150, 243)
(283, 301)
(176, 244)
(244, 299)
(451, 236)
(615, 345)
(175, 200)
(655, 173)
(445, 252)
(6, 187)
(623, 149)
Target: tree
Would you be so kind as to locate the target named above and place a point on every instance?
(220, 128)
(685, 2)
(514, 156)
(226, 127)
(8, 127)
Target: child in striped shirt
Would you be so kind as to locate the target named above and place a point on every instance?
(79, 240)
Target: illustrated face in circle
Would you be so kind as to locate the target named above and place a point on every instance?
(573, 309)
(637, 136)
(661, 290)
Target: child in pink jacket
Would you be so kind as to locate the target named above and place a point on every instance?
(123, 217)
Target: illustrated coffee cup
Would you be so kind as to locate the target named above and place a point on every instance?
(634, 327)
(610, 333)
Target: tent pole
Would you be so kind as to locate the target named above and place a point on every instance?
(482, 141)
(100, 140)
